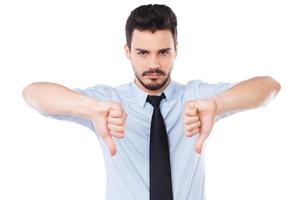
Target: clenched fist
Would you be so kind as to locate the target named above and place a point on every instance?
(108, 118)
(199, 117)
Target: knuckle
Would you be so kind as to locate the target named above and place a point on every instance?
(119, 106)
(190, 133)
(121, 129)
(185, 120)
(188, 128)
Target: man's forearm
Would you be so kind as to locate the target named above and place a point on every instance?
(248, 94)
(53, 98)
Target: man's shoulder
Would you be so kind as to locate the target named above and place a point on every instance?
(204, 89)
(110, 88)
(193, 81)
(123, 86)
(189, 84)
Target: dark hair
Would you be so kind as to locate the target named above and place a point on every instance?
(151, 17)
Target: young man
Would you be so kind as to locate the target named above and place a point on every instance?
(152, 130)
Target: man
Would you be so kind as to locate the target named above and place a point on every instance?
(152, 130)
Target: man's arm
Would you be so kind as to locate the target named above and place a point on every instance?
(56, 99)
(107, 117)
(248, 94)
(200, 114)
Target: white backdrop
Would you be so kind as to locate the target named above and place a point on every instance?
(250, 155)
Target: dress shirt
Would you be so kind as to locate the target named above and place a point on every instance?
(128, 171)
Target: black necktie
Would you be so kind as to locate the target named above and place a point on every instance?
(160, 170)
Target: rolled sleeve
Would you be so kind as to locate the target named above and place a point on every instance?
(203, 90)
(89, 92)
(219, 88)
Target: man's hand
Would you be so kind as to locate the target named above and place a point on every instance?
(199, 117)
(108, 118)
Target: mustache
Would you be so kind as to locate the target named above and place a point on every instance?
(156, 71)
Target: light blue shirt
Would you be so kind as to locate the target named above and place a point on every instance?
(128, 170)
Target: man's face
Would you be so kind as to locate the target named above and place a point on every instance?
(152, 56)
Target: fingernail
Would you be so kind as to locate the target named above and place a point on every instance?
(199, 151)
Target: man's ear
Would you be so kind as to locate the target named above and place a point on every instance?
(127, 51)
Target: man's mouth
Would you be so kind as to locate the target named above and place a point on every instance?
(154, 75)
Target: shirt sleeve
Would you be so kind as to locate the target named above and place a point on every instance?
(221, 87)
(92, 92)
(201, 90)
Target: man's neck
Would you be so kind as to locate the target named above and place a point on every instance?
(151, 92)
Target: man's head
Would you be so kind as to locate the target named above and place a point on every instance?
(151, 45)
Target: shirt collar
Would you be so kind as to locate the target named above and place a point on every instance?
(141, 96)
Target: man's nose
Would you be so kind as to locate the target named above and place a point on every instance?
(153, 63)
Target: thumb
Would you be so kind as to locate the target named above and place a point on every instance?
(207, 124)
(199, 143)
(102, 130)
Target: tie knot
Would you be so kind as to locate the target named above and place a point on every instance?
(155, 100)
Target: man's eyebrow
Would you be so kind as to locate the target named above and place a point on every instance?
(139, 49)
(165, 49)
(160, 50)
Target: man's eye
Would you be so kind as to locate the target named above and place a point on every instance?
(142, 53)
(164, 53)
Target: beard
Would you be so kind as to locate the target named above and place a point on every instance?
(154, 86)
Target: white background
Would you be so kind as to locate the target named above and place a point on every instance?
(250, 155)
